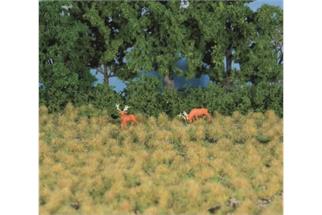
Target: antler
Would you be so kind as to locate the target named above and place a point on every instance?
(118, 107)
(126, 108)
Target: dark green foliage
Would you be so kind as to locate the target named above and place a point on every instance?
(104, 98)
(61, 88)
(227, 100)
(143, 95)
(146, 96)
(63, 53)
(261, 59)
(172, 103)
(267, 96)
(78, 35)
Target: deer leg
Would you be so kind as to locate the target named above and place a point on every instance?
(198, 116)
(209, 117)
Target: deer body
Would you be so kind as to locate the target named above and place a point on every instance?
(125, 117)
(196, 113)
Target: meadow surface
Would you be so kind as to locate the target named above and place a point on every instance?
(89, 166)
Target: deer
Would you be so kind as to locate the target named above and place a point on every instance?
(195, 114)
(125, 117)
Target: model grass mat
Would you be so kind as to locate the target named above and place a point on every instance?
(230, 165)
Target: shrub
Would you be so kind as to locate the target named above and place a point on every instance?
(144, 95)
(214, 97)
(263, 138)
(104, 98)
(172, 103)
(267, 96)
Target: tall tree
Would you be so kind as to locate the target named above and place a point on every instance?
(63, 52)
(216, 29)
(109, 26)
(261, 59)
(159, 39)
(235, 29)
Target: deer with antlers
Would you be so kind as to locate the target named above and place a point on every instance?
(125, 117)
(195, 114)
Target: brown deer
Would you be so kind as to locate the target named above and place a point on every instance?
(125, 117)
(195, 114)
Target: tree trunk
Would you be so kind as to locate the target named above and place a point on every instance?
(106, 74)
(168, 82)
(229, 61)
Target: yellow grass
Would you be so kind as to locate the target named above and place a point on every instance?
(161, 166)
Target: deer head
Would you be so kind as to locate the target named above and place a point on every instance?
(183, 115)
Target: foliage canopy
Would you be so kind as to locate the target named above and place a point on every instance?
(125, 38)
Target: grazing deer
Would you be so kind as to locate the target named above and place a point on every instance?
(125, 118)
(195, 113)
